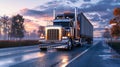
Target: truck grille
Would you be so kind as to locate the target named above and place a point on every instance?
(53, 34)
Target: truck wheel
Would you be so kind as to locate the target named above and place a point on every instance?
(69, 45)
(79, 45)
(43, 49)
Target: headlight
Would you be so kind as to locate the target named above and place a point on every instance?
(64, 37)
(68, 34)
(42, 37)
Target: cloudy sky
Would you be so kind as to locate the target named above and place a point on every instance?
(39, 12)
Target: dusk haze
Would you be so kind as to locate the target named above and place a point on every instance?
(59, 33)
(37, 11)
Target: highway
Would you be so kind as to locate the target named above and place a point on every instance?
(32, 56)
(98, 55)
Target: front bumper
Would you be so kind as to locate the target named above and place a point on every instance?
(60, 44)
(53, 46)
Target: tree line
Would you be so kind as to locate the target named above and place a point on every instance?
(12, 26)
(115, 23)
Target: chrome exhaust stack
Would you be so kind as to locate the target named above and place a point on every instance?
(75, 22)
(54, 13)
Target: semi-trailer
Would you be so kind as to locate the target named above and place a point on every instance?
(68, 30)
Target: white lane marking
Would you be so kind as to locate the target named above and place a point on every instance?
(81, 54)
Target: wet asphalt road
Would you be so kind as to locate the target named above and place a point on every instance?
(31, 56)
(100, 55)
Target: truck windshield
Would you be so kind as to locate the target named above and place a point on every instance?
(63, 24)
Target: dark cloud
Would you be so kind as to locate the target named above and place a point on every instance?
(48, 11)
(104, 8)
(99, 13)
(101, 6)
(87, 0)
(42, 7)
(51, 3)
(95, 17)
(108, 15)
(73, 1)
(98, 8)
(30, 12)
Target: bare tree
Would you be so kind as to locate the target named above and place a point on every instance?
(4, 24)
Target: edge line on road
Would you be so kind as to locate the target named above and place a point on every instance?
(81, 54)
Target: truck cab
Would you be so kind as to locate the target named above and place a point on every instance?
(61, 33)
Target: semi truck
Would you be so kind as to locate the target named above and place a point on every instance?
(68, 30)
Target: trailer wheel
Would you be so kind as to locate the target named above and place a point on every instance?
(43, 49)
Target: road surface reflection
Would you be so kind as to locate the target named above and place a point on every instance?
(18, 59)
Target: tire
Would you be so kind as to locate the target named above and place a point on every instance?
(43, 49)
(69, 45)
(89, 42)
(79, 45)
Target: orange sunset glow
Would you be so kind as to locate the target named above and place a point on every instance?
(34, 23)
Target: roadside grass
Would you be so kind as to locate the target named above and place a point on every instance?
(115, 45)
(17, 43)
